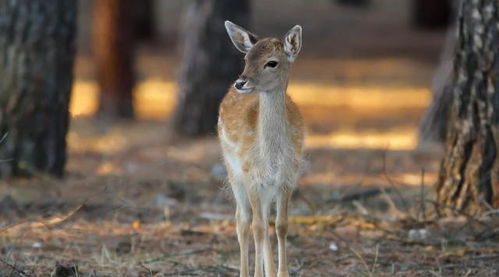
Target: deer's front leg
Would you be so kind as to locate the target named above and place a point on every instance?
(243, 221)
(260, 205)
(282, 230)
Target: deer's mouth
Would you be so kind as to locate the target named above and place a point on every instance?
(244, 90)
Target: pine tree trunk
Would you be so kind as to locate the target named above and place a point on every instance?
(114, 41)
(469, 173)
(433, 128)
(209, 63)
(37, 49)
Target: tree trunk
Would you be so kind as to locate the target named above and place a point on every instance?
(144, 27)
(431, 14)
(209, 63)
(37, 49)
(434, 123)
(114, 41)
(433, 128)
(469, 173)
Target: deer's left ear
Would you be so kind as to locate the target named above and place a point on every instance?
(292, 42)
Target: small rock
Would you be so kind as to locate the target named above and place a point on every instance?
(418, 234)
(37, 244)
(333, 246)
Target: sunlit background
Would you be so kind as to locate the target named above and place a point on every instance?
(362, 80)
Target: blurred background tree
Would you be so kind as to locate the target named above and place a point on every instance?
(209, 63)
(145, 29)
(114, 39)
(469, 173)
(37, 50)
(431, 14)
(433, 128)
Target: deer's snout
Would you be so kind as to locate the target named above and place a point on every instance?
(239, 84)
(243, 85)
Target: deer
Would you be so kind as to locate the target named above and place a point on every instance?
(261, 134)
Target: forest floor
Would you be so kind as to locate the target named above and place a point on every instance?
(138, 201)
(135, 203)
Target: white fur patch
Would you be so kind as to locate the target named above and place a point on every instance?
(230, 154)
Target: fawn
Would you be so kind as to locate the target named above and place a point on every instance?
(261, 134)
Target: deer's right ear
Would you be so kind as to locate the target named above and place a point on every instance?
(243, 40)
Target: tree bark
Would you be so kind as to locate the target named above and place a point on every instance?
(37, 49)
(114, 42)
(469, 172)
(209, 63)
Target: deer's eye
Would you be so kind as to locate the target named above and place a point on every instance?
(271, 64)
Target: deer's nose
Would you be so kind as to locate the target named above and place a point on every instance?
(239, 84)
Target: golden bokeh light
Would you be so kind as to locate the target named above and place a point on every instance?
(155, 99)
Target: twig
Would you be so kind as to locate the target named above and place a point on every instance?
(43, 223)
(146, 268)
(77, 273)
(422, 200)
(360, 207)
(375, 259)
(490, 212)
(313, 207)
(392, 184)
(13, 267)
(390, 202)
(4, 137)
(362, 260)
(1, 141)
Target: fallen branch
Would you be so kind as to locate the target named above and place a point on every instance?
(42, 223)
(14, 268)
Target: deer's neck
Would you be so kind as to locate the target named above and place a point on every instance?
(273, 121)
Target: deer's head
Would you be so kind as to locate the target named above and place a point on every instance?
(267, 60)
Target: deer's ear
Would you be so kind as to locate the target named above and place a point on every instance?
(242, 39)
(292, 42)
